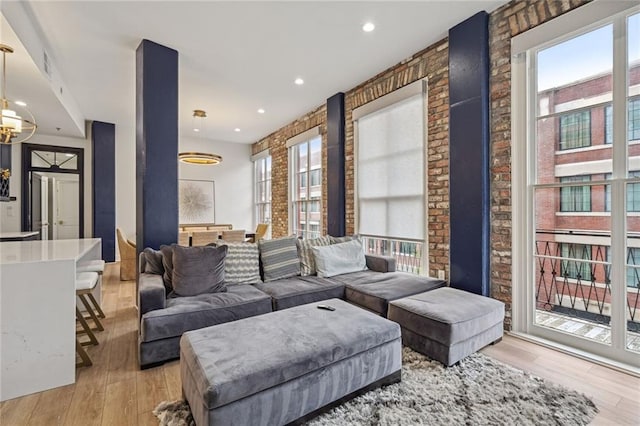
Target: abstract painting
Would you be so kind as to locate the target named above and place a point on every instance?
(197, 201)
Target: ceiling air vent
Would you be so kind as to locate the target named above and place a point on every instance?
(47, 64)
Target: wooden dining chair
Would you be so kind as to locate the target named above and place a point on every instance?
(261, 231)
(202, 238)
(234, 236)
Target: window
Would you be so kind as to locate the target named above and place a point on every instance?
(262, 173)
(572, 265)
(633, 123)
(633, 267)
(575, 130)
(575, 198)
(633, 194)
(391, 177)
(305, 186)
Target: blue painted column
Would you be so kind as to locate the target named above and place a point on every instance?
(156, 145)
(336, 220)
(103, 166)
(469, 154)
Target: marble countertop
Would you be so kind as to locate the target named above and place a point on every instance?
(12, 252)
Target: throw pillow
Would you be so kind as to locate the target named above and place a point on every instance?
(307, 261)
(339, 258)
(279, 258)
(338, 240)
(198, 270)
(242, 264)
(167, 265)
(153, 261)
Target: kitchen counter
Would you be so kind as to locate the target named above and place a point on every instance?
(37, 313)
(19, 236)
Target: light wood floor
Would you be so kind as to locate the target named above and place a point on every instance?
(115, 392)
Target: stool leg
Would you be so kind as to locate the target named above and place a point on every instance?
(86, 361)
(86, 329)
(87, 306)
(96, 305)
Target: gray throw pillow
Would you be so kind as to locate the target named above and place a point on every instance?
(279, 258)
(242, 264)
(341, 258)
(307, 261)
(198, 270)
(153, 261)
(167, 265)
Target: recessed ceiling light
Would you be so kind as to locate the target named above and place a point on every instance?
(237, 129)
(261, 111)
(196, 130)
(299, 81)
(368, 27)
(22, 104)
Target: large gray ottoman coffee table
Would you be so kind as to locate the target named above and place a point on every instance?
(447, 324)
(285, 366)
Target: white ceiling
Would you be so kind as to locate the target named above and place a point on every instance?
(235, 57)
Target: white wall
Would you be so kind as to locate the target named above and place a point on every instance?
(233, 180)
(11, 212)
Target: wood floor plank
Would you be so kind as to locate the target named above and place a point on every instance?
(153, 389)
(18, 411)
(172, 376)
(86, 406)
(52, 406)
(120, 405)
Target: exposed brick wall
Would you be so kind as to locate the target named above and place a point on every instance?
(508, 21)
(277, 143)
(432, 63)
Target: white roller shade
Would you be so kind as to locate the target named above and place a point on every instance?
(390, 171)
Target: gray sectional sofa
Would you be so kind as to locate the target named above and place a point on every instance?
(164, 319)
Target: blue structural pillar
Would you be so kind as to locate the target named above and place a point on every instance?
(156, 145)
(103, 166)
(336, 221)
(469, 154)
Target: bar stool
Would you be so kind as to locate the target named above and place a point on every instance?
(85, 283)
(96, 266)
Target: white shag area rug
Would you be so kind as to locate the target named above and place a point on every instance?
(477, 391)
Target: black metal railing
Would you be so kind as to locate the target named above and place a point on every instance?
(575, 278)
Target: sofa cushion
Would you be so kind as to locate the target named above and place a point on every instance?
(374, 290)
(167, 265)
(191, 313)
(242, 264)
(346, 238)
(279, 258)
(296, 291)
(198, 270)
(307, 259)
(339, 258)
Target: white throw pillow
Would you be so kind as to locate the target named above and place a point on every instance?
(339, 259)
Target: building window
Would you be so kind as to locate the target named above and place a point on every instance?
(633, 267)
(572, 265)
(575, 130)
(633, 194)
(633, 123)
(306, 187)
(262, 173)
(575, 198)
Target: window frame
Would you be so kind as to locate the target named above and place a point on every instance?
(265, 162)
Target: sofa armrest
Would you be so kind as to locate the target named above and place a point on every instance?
(380, 263)
(151, 293)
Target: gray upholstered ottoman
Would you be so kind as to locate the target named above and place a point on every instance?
(280, 367)
(448, 324)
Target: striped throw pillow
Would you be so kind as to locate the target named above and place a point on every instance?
(242, 265)
(279, 258)
(307, 259)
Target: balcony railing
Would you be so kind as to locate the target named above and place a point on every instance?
(575, 279)
(408, 254)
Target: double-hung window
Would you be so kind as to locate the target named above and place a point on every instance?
(575, 130)
(305, 184)
(391, 177)
(262, 173)
(575, 198)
